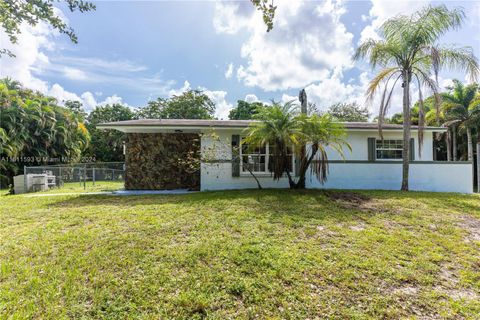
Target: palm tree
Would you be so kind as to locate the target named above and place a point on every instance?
(460, 108)
(286, 130)
(409, 52)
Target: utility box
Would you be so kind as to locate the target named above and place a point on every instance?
(33, 182)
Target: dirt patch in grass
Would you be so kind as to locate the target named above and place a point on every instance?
(450, 287)
(349, 197)
(472, 226)
(357, 201)
(407, 290)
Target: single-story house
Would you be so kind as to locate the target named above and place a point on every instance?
(197, 154)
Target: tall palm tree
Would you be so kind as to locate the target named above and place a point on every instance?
(286, 130)
(460, 109)
(408, 53)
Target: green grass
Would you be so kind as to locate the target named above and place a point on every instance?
(272, 254)
(77, 187)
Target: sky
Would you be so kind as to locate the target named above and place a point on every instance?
(132, 52)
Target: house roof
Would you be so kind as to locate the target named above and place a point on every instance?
(194, 124)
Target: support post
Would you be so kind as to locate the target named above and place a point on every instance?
(25, 180)
(93, 175)
(60, 179)
(85, 177)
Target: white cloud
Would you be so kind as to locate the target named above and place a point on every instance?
(229, 71)
(105, 65)
(61, 94)
(222, 106)
(112, 100)
(32, 62)
(251, 98)
(230, 17)
(175, 92)
(288, 98)
(28, 56)
(89, 102)
(74, 74)
(307, 41)
(382, 10)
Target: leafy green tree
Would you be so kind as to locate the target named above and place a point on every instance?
(245, 110)
(408, 51)
(349, 112)
(77, 109)
(107, 145)
(13, 13)
(284, 128)
(33, 126)
(192, 104)
(461, 106)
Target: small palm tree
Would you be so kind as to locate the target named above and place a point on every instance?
(287, 130)
(408, 53)
(459, 106)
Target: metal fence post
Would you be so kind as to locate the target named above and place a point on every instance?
(85, 177)
(25, 180)
(93, 175)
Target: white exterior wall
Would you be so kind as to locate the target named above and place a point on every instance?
(217, 175)
(441, 177)
(216, 172)
(358, 141)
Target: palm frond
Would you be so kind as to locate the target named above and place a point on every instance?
(461, 59)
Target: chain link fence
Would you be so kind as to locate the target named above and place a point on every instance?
(110, 175)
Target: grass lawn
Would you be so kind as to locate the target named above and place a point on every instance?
(77, 187)
(275, 254)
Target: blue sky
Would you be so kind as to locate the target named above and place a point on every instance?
(134, 51)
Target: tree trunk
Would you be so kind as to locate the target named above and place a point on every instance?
(302, 96)
(304, 164)
(448, 142)
(454, 142)
(478, 166)
(470, 146)
(470, 150)
(406, 130)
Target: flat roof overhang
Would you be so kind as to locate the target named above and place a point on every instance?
(195, 126)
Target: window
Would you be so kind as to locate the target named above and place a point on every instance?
(259, 160)
(255, 159)
(389, 149)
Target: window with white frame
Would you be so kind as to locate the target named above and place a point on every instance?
(260, 159)
(389, 149)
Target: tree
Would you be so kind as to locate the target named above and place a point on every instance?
(244, 110)
(14, 13)
(284, 128)
(349, 112)
(77, 109)
(33, 126)
(107, 145)
(461, 106)
(192, 104)
(409, 52)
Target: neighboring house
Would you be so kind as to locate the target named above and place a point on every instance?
(163, 154)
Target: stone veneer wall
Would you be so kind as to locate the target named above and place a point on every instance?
(158, 161)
